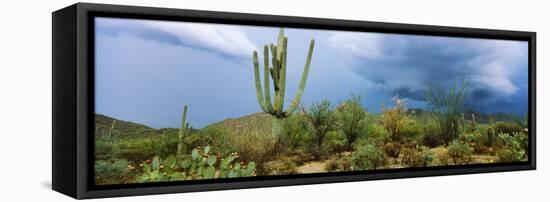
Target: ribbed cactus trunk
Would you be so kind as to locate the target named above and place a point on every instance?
(184, 132)
(276, 128)
(277, 73)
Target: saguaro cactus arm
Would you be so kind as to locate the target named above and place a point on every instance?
(185, 129)
(259, 93)
(290, 110)
(267, 92)
(184, 123)
(282, 78)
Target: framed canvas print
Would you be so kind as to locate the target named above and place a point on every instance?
(154, 100)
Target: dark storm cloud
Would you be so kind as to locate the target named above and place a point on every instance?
(408, 65)
(406, 92)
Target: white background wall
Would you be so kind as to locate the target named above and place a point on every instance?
(25, 99)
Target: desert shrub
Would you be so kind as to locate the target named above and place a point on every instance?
(446, 106)
(217, 138)
(514, 147)
(507, 128)
(352, 118)
(442, 157)
(320, 120)
(283, 165)
(394, 119)
(253, 147)
(392, 149)
(104, 141)
(417, 157)
(475, 140)
(339, 163)
(103, 150)
(367, 156)
(460, 152)
(193, 140)
(140, 148)
(431, 140)
(250, 146)
(115, 171)
(300, 157)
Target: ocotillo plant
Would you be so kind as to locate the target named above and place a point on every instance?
(185, 130)
(277, 71)
(446, 106)
(463, 123)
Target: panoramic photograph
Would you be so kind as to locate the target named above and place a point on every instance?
(179, 101)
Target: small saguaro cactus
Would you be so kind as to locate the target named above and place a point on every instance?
(474, 124)
(277, 71)
(112, 132)
(185, 130)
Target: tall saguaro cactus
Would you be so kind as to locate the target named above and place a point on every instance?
(277, 71)
(185, 130)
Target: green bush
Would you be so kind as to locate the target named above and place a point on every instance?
(116, 171)
(432, 137)
(411, 130)
(103, 149)
(514, 149)
(375, 133)
(336, 142)
(460, 152)
(352, 118)
(295, 134)
(367, 157)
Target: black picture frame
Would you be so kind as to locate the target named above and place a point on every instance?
(73, 99)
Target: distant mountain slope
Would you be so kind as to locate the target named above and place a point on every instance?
(257, 123)
(127, 128)
(103, 124)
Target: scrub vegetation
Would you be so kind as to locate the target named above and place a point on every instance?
(309, 137)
